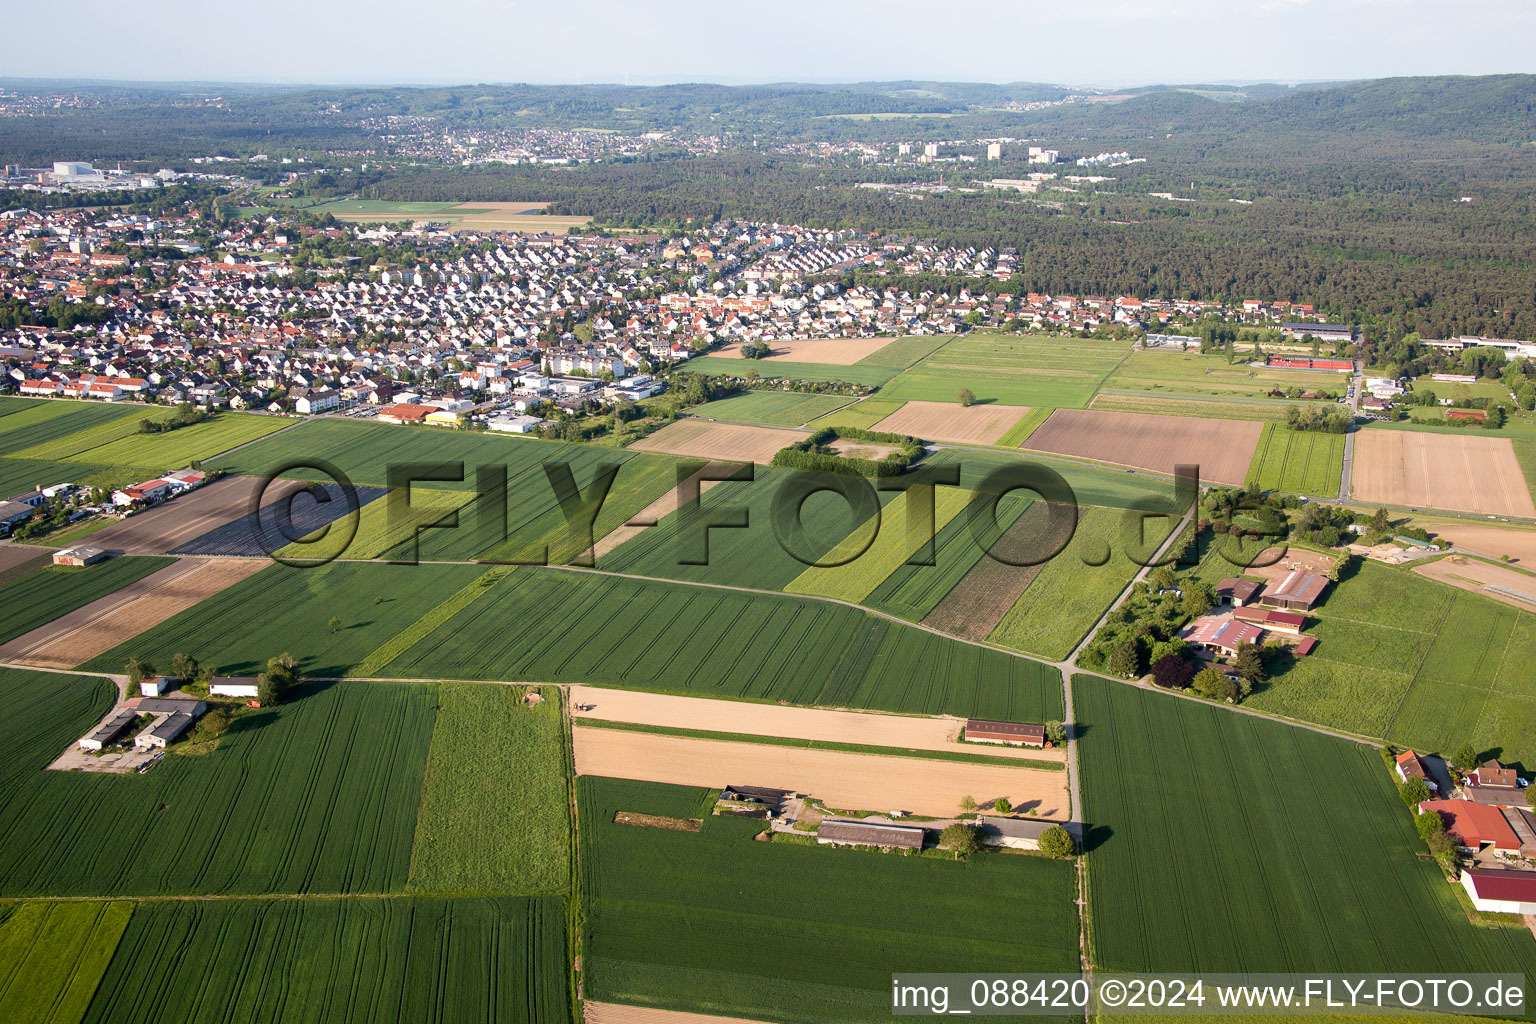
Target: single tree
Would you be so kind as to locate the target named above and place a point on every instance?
(1002, 805)
(1125, 659)
(184, 667)
(967, 803)
(1199, 598)
(1249, 662)
(1413, 791)
(1056, 732)
(1213, 683)
(335, 623)
(1057, 842)
(1465, 758)
(963, 839)
(1162, 578)
(967, 397)
(1428, 824)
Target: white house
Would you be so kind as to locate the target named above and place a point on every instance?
(514, 424)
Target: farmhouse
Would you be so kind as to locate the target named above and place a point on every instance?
(1221, 634)
(1021, 833)
(1498, 891)
(1410, 767)
(154, 686)
(78, 556)
(836, 832)
(1014, 734)
(1493, 775)
(150, 490)
(1275, 621)
(232, 686)
(1237, 591)
(1298, 590)
(110, 730)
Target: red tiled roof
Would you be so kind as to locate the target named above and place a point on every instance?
(1474, 824)
(1510, 886)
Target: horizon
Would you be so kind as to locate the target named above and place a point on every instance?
(485, 41)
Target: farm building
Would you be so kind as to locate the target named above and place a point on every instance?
(78, 556)
(1014, 734)
(1497, 891)
(1410, 767)
(164, 731)
(1298, 590)
(1322, 332)
(836, 832)
(154, 686)
(1221, 634)
(1021, 833)
(1268, 618)
(232, 686)
(514, 424)
(150, 490)
(1474, 826)
(1237, 591)
(110, 730)
(406, 413)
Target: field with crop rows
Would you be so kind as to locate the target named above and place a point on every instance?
(52, 956)
(318, 794)
(1476, 683)
(904, 351)
(573, 627)
(372, 961)
(1012, 370)
(783, 408)
(1187, 853)
(18, 475)
(37, 422)
(382, 527)
(265, 531)
(286, 609)
(678, 919)
(56, 590)
(1175, 404)
(1297, 461)
(494, 806)
(870, 375)
(1063, 602)
(912, 591)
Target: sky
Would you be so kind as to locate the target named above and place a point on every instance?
(1081, 42)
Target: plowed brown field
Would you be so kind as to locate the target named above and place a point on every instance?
(167, 527)
(1221, 448)
(732, 442)
(950, 421)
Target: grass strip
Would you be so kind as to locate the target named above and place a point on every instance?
(407, 638)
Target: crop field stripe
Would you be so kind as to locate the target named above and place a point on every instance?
(52, 957)
(373, 663)
(37, 424)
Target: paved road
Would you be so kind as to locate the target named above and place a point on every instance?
(1349, 437)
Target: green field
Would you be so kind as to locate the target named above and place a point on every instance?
(864, 414)
(381, 527)
(1167, 404)
(378, 961)
(713, 922)
(1297, 461)
(581, 628)
(1012, 370)
(494, 805)
(52, 957)
(903, 352)
(39, 421)
(41, 597)
(1457, 390)
(381, 208)
(316, 795)
(286, 609)
(1191, 373)
(783, 408)
(1063, 602)
(117, 442)
(1209, 850)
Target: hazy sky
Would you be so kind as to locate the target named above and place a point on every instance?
(1090, 42)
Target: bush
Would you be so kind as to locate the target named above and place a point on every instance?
(1212, 682)
(1413, 791)
(1172, 672)
(1002, 805)
(1428, 824)
(963, 839)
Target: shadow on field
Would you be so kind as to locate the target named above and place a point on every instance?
(1095, 836)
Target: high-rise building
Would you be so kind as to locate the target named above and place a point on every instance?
(994, 151)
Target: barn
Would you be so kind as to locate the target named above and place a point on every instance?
(1022, 833)
(1014, 734)
(1298, 590)
(837, 832)
(1497, 891)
